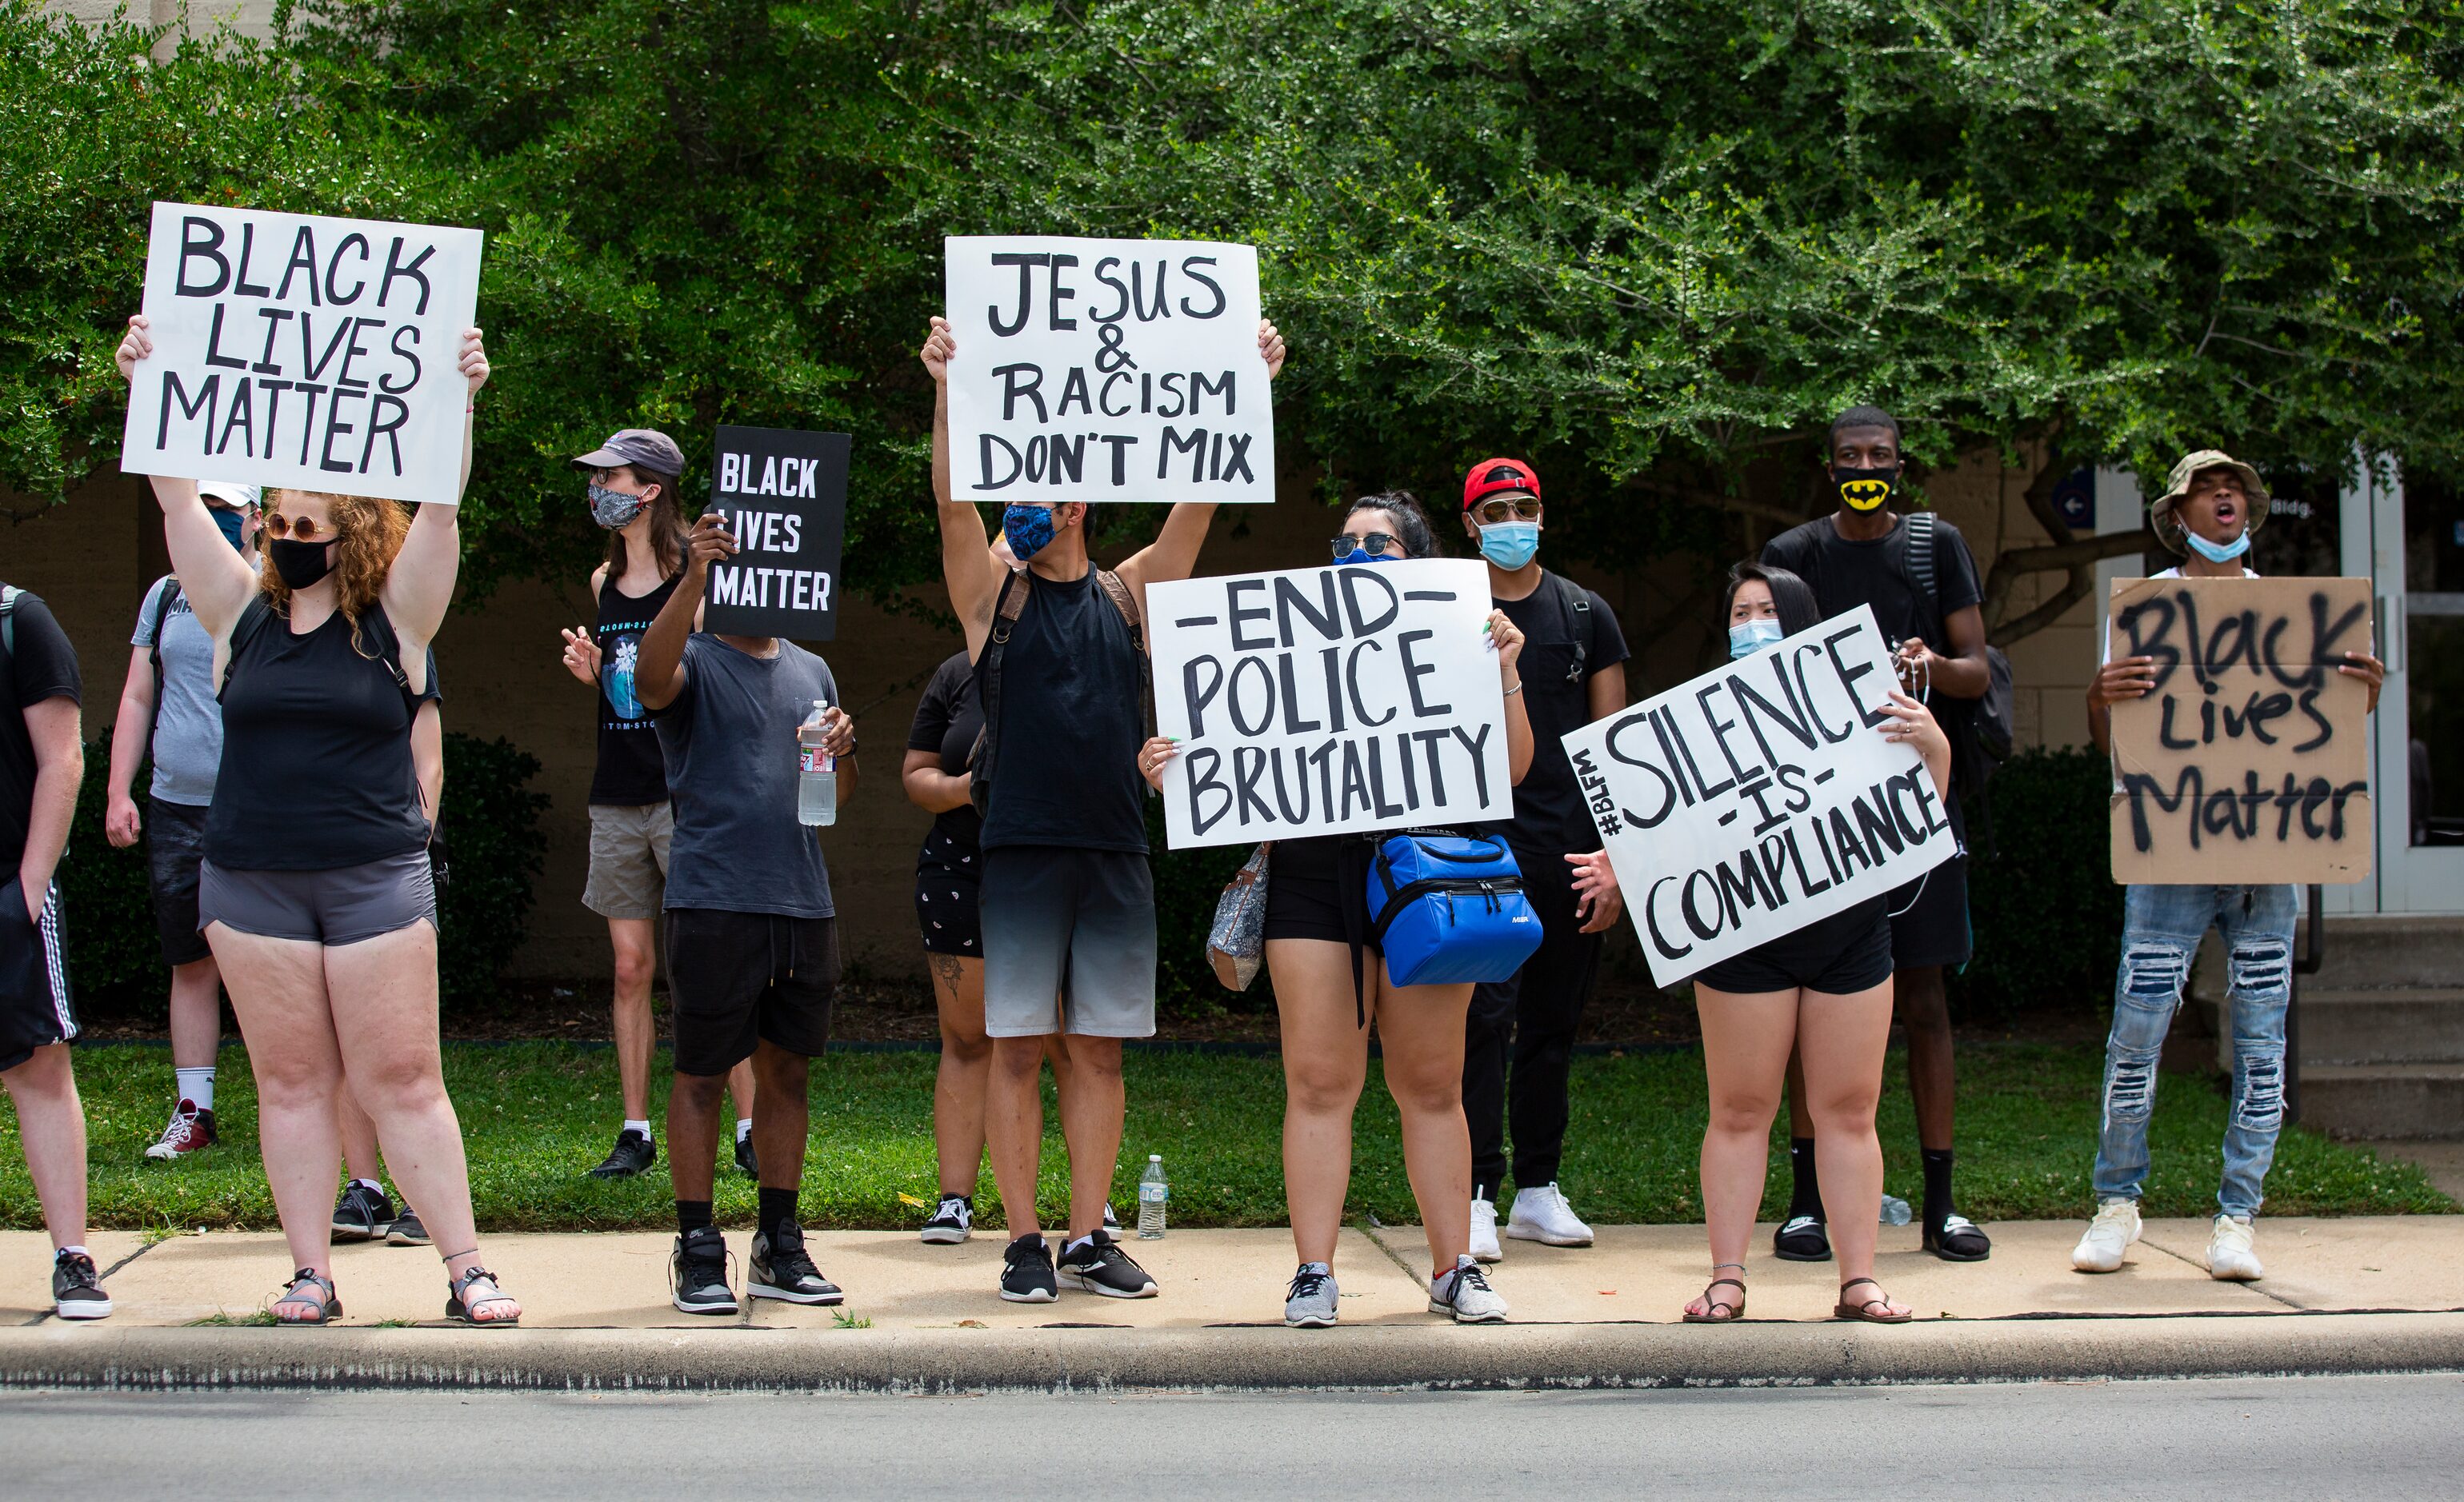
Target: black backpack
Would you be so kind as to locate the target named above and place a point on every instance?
(1988, 719)
(1006, 609)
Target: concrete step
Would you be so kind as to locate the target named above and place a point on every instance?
(2374, 950)
(2384, 1101)
(2391, 1026)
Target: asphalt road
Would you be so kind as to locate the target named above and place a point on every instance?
(2348, 1437)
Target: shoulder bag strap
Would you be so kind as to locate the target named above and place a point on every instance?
(1126, 603)
(1576, 602)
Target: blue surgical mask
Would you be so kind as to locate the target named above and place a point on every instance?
(231, 525)
(1509, 544)
(1747, 637)
(2216, 551)
(1029, 529)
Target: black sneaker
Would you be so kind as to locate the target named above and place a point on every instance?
(407, 1231)
(780, 1269)
(744, 1158)
(633, 1152)
(1027, 1273)
(76, 1292)
(1099, 1266)
(952, 1223)
(697, 1274)
(362, 1213)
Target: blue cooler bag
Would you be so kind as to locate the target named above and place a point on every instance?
(1446, 909)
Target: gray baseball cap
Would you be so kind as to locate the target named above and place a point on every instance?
(646, 446)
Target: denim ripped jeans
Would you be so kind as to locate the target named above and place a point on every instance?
(2161, 930)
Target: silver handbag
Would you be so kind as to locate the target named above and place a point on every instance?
(1236, 942)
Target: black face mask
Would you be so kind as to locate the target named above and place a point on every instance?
(299, 563)
(1864, 489)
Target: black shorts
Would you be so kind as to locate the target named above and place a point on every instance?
(948, 875)
(35, 1006)
(736, 978)
(1839, 956)
(1933, 929)
(175, 844)
(1314, 892)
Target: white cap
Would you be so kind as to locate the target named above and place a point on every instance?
(230, 493)
(1154, 1157)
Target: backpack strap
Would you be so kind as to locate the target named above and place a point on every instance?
(163, 606)
(8, 594)
(1007, 606)
(1576, 604)
(1126, 603)
(1918, 556)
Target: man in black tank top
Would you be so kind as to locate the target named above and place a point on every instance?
(1067, 903)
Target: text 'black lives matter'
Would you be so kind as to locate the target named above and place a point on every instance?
(783, 493)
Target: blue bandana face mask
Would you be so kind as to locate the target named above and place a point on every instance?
(2217, 552)
(233, 525)
(1509, 544)
(1747, 637)
(1029, 529)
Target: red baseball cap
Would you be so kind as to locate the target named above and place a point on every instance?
(1492, 475)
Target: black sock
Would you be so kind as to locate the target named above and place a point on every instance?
(1806, 1199)
(693, 1215)
(778, 1209)
(1937, 1191)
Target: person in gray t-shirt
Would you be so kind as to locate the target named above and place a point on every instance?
(751, 943)
(167, 711)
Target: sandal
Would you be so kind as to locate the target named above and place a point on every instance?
(459, 1304)
(328, 1307)
(1720, 1311)
(1957, 1239)
(1803, 1239)
(1865, 1310)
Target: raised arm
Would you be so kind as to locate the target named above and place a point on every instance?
(659, 672)
(1174, 554)
(217, 581)
(420, 584)
(972, 574)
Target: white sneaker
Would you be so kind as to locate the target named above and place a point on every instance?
(1544, 1216)
(1465, 1293)
(1483, 1232)
(2230, 1257)
(2108, 1236)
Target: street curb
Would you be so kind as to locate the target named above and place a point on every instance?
(1756, 1354)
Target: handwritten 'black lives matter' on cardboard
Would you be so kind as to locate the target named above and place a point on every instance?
(2250, 759)
(783, 493)
(1106, 370)
(305, 352)
(1760, 796)
(1328, 701)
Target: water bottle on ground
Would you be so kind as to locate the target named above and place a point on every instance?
(1152, 1195)
(817, 772)
(1895, 1210)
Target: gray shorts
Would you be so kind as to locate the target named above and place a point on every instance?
(327, 908)
(1061, 922)
(628, 859)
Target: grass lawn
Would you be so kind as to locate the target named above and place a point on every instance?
(539, 1114)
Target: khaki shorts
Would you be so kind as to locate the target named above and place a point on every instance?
(628, 859)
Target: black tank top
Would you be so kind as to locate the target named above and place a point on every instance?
(316, 771)
(1071, 699)
(631, 770)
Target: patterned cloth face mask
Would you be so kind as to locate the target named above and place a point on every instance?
(614, 509)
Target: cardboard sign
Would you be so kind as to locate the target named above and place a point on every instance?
(784, 496)
(1760, 796)
(1325, 701)
(1106, 370)
(2250, 759)
(299, 351)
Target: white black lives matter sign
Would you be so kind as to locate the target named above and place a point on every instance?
(1760, 797)
(1325, 701)
(1106, 370)
(783, 493)
(306, 352)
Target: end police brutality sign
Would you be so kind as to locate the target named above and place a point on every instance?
(306, 352)
(1106, 370)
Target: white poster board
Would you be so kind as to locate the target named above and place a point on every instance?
(1106, 370)
(1760, 796)
(300, 351)
(1325, 701)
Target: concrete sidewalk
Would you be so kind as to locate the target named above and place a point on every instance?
(2380, 1293)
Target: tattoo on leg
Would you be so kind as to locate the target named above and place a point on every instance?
(945, 971)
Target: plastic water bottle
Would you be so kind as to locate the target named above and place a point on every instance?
(1895, 1210)
(817, 772)
(1152, 1195)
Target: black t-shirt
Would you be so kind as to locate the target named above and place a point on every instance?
(1065, 769)
(948, 719)
(1844, 575)
(1550, 818)
(41, 664)
(631, 770)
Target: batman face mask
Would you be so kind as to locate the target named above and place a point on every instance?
(1864, 489)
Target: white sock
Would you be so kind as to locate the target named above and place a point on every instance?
(197, 1086)
(743, 1127)
(371, 1184)
(78, 1251)
(631, 1125)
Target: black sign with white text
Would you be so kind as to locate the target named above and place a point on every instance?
(783, 493)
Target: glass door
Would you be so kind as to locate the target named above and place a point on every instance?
(2417, 560)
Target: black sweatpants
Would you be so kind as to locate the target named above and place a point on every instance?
(1539, 1012)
